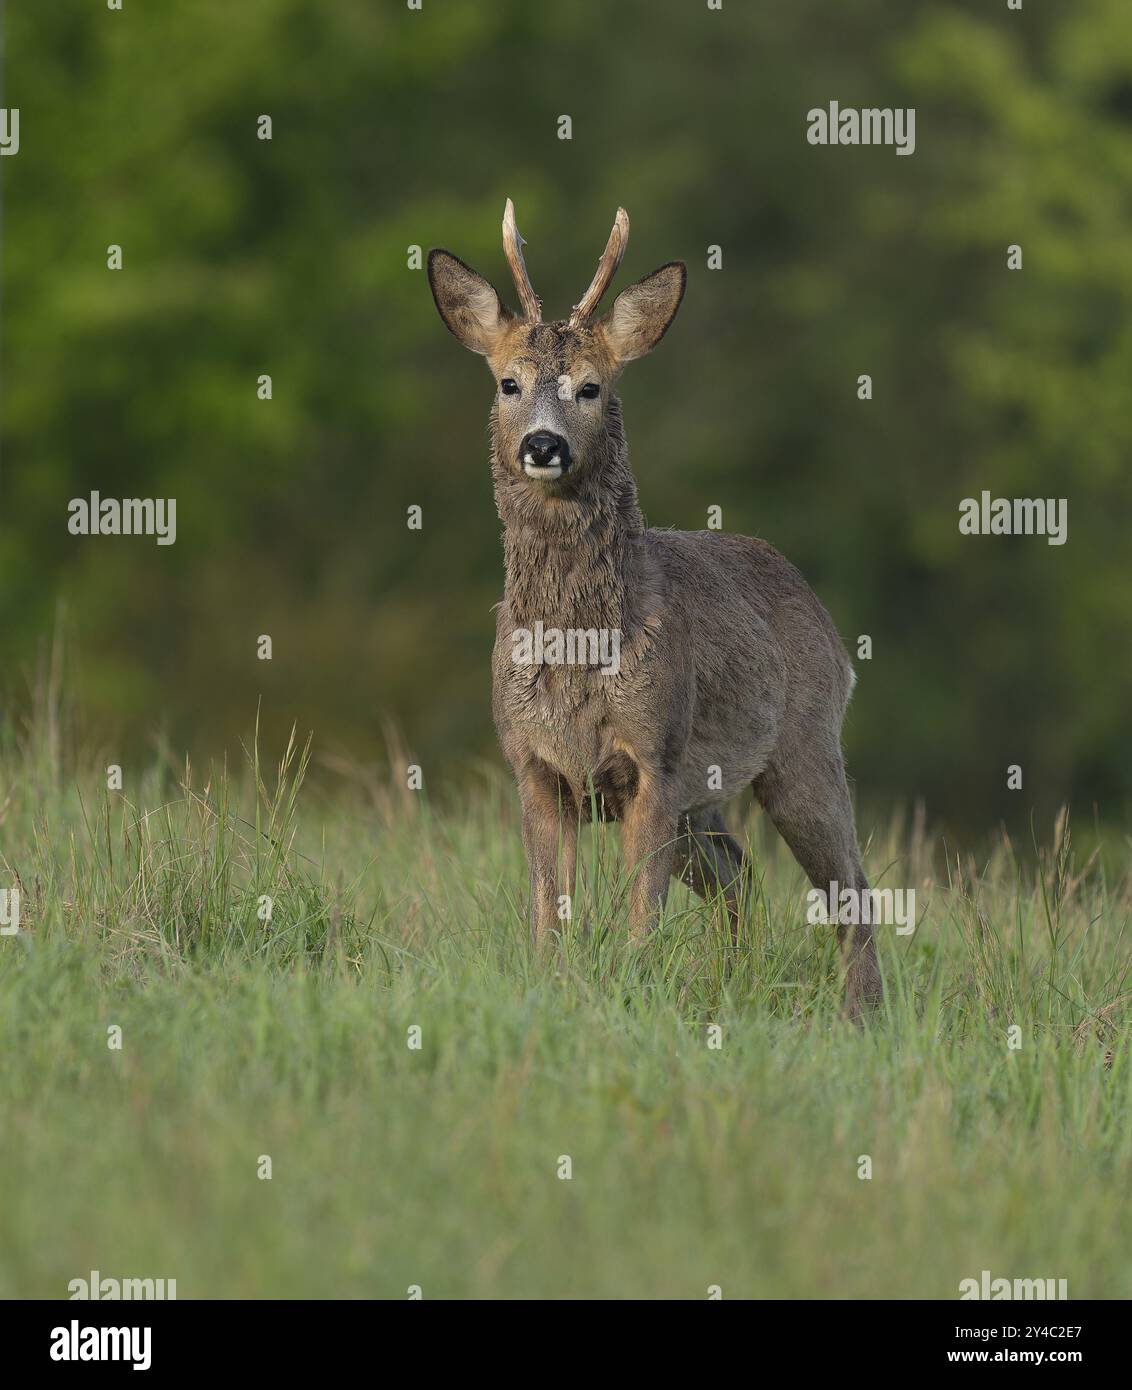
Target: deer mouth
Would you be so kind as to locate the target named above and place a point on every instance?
(546, 464)
(544, 472)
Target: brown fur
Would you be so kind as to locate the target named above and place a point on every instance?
(727, 657)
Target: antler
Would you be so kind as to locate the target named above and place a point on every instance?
(606, 269)
(513, 249)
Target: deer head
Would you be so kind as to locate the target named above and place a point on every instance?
(554, 380)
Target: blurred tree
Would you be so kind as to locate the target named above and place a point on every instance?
(395, 128)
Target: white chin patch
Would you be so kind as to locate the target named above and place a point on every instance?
(544, 472)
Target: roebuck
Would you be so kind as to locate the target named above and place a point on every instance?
(729, 669)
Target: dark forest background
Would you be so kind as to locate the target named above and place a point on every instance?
(395, 128)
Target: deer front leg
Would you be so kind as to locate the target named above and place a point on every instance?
(648, 832)
(550, 838)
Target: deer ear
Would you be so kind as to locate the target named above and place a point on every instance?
(469, 306)
(641, 314)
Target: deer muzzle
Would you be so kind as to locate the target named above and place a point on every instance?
(544, 455)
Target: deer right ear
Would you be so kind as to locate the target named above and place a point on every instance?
(469, 306)
(641, 314)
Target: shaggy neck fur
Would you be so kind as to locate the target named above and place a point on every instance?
(566, 556)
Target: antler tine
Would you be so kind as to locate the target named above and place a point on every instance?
(606, 269)
(513, 249)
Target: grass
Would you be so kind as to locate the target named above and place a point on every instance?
(392, 1166)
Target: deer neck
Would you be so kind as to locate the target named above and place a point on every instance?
(568, 558)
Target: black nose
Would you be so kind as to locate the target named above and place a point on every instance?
(542, 446)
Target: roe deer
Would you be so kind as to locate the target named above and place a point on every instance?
(727, 659)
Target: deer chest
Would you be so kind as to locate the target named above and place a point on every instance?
(569, 719)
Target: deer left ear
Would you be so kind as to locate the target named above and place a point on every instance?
(468, 305)
(641, 314)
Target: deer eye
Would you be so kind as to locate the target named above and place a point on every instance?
(590, 391)
(509, 386)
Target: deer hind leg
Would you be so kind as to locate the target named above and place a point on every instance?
(710, 861)
(807, 798)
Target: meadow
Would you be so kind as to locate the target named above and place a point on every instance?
(692, 1166)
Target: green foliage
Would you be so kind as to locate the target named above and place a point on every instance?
(395, 128)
